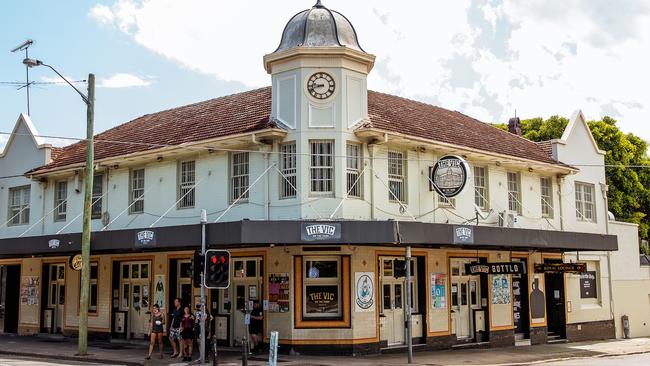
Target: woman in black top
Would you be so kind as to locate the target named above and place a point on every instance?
(255, 327)
(156, 330)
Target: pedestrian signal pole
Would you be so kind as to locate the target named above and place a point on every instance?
(204, 221)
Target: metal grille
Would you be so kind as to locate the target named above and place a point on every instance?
(480, 187)
(322, 166)
(585, 202)
(186, 184)
(137, 191)
(288, 168)
(353, 153)
(396, 176)
(239, 178)
(60, 201)
(19, 205)
(514, 193)
(444, 201)
(546, 192)
(98, 189)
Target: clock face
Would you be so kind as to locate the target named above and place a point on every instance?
(321, 85)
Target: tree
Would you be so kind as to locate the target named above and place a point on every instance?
(627, 164)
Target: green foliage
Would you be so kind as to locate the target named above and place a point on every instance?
(628, 165)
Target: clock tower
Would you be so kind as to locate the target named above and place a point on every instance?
(319, 73)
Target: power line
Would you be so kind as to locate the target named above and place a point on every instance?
(22, 83)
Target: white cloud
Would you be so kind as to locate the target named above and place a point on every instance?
(485, 58)
(123, 80)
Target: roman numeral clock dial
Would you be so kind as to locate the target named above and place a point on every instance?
(321, 85)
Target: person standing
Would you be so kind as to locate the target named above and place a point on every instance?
(156, 330)
(187, 333)
(255, 328)
(175, 328)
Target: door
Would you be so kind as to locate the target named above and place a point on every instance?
(184, 282)
(9, 299)
(393, 294)
(465, 300)
(56, 298)
(246, 287)
(393, 310)
(555, 307)
(135, 285)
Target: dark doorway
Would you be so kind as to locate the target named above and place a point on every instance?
(520, 306)
(10, 298)
(555, 306)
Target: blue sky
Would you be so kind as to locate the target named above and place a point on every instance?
(485, 58)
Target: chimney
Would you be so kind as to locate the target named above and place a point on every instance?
(514, 126)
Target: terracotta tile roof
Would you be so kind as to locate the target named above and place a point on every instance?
(55, 152)
(249, 111)
(546, 146)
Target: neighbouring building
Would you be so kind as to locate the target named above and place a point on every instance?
(316, 185)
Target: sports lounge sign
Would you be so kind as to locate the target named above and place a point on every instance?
(495, 268)
(560, 267)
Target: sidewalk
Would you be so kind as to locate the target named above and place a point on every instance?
(125, 354)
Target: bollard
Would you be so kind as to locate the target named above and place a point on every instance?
(626, 326)
(244, 351)
(273, 349)
(214, 351)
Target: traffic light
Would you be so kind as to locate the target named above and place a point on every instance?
(217, 268)
(197, 268)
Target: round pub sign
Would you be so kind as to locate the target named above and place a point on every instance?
(76, 262)
(449, 176)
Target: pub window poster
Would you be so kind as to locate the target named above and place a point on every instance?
(278, 293)
(322, 299)
(500, 289)
(588, 287)
(438, 290)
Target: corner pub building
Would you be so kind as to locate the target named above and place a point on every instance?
(316, 185)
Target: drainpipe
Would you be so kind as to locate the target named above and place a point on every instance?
(560, 183)
(371, 154)
(268, 184)
(604, 188)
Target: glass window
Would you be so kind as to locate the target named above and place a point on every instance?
(585, 202)
(288, 166)
(186, 183)
(53, 294)
(61, 294)
(546, 193)
(514, 193)
(125, 271)
(353, 153)
(322, 166)
(398, 296)
(481, 187)
(387, 297)
(463, 294)
(135, 273)
(454, 294)
(473, 293)
(19, 205)
(60, 200)
(137, 191)
(239, 176)
(251, 268)
(322, 288)
(396, 176)
(92, 306)
(144, 270)
(98, 192)
(388, 267)
(185, 270)
(93, 271)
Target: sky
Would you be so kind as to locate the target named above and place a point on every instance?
(485, 58)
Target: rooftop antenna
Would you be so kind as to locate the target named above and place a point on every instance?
(25, 47)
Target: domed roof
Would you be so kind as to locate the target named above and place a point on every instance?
(319, 27)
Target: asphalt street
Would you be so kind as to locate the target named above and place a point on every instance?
(629, 360)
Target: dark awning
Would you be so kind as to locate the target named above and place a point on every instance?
(262, 233)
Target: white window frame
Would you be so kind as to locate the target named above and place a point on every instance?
(60, 200)
(481, 188)
(585, 209)
(514, 192)
(19, 205)
(289, 169)
(97, 207)
(136, 195)
(397, 176)
(328, 281)
(186, 183)
(446, 202)
(321, 167)
(546, 196)
(354, 163)
(239, 176)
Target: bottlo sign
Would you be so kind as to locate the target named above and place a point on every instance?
(449, 176)
(495, 268)
(560, 267)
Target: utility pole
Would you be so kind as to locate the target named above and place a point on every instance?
(204, 221)
(85, 233)
(409, 306)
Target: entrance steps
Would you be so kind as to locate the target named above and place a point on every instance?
(554, 338)
(469, 345)
(402, 348)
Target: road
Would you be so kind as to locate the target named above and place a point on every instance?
(631, 360)
(17, 360)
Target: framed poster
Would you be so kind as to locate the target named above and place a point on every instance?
(588, 285)
(500, 289)
(159, 291)
(364, 291)
(438, 290)
(278, 293)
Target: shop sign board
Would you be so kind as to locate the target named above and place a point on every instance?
(319, 231)
(588, 287)
(449, 175)
(495, 268)
(322, 299)
(145, 239)
(560, 267)
(463, 234)
(76, 262)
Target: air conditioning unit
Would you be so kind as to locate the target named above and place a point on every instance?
(106, 218)
(507, 219)
(511, 220)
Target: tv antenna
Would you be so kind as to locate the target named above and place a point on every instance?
(25, 47)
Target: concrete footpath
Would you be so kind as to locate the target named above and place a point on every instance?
(127, 354)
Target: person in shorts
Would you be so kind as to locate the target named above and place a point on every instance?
(175, 328)
(156, 330)
(255, 327)
(187, 333)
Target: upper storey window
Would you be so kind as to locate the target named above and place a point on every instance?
(322, 166)
(353, 171)
(514, 193)
(546, 193)
(60, 200)
(396, 176)
(481, 187)
(98, 192)
(137, 190)
(288, 167)
(239, 176)
(585, 202)
(19, 205)
(186, 182)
